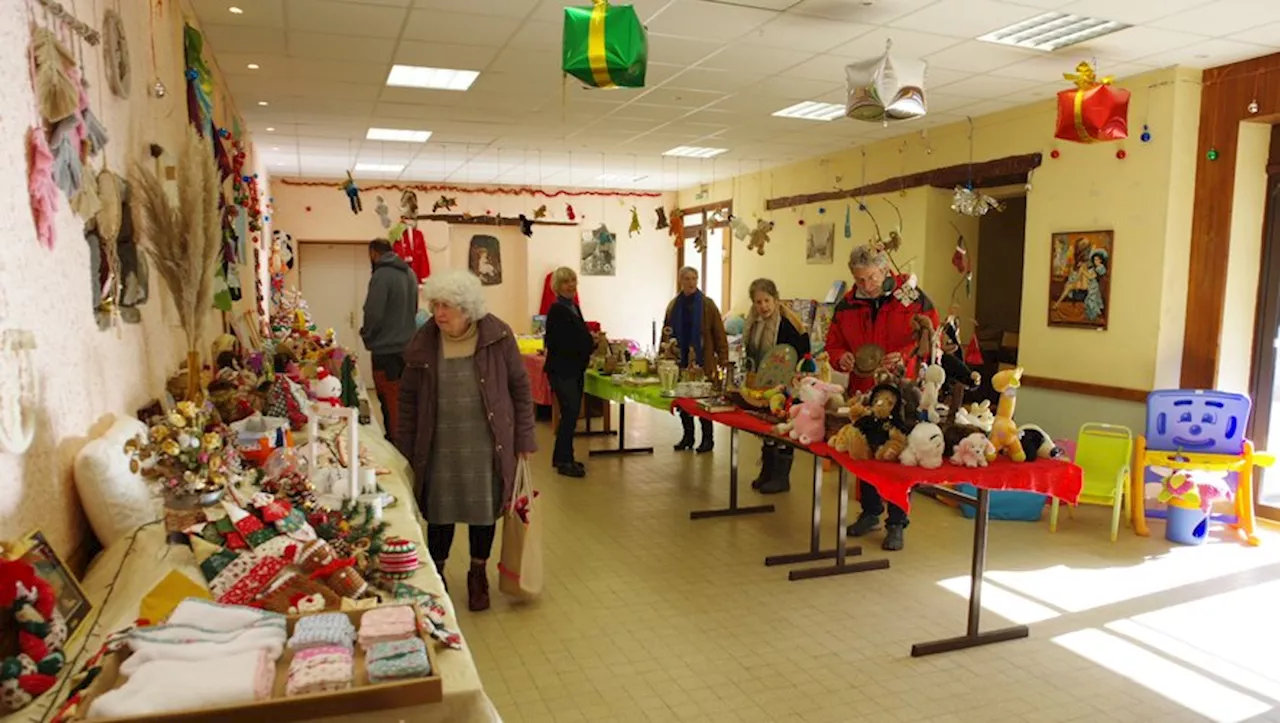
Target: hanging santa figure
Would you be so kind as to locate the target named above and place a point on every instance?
(412, 246)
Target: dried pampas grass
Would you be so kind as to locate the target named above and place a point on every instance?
(183, 241)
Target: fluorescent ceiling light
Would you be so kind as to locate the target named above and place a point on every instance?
(395, 134)
(253, 66)
(379, 167)
(1052, 31)
(812, 110)
(413, 76)
(263, 102)
(694, 152)
(235, 10)
(270, 129)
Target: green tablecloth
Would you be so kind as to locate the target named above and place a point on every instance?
(600, 386)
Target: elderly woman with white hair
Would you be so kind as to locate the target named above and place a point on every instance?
(466, 416)
(569, 345)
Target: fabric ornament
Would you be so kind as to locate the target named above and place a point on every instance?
(57, 94)
(634, 227)
(65, 145)
(412, 247)
(1094, 110)
(741, 230)
(353, 194)
(265, 540)
(446, 202)
(526, 225)
(662, 218)
(319, 559)
(41, 633)
(398, 559)
(569, 212)
(677, 227)
(41, 186)
(115, 54)
(848, 221)
(235, 578)
(605, 46)
(294, 594)
(886, 89)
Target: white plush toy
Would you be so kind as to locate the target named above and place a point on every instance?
(327, 388)
(924, 446)
(931, 381)
(973, 451)
(977, 415)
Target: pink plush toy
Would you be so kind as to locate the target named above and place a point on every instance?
(808, 417)
(972, 451)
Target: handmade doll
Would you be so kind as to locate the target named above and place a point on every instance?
(879, 432)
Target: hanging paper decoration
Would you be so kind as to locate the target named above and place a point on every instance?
(971, 202)
(1094, 110)
(634, 228)
(760, 236)
(353, 194)
(444, 202)
(848, 221)
(604, 46)
(885, 89)
(383, 212)
(662, 218)
(569, 212)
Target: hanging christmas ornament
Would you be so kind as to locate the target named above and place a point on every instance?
(676, 228)
(885, 89)
(1212, 154)
(1146, 134)
(604, 46)
(662, 218)
(634, 228)
(969, 202)
(526, 225)
(960, 257)
(741, 230)
(848, 221)
(569, 213)
(1253, 106)
(353, 194)
(540, 211)
(759, 236)
(1092, 111)
(445, 202)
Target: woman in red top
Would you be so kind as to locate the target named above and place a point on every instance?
(878, 312)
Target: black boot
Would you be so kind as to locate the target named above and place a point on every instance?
(768, 460)
(708, 437)
(686, 442)
(780, 481)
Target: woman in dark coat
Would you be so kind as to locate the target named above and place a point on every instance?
(569, 345)
(466, 418)
(770, 323)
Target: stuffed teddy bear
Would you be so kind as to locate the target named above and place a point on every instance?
(876, 430)
(924, 447)
(760, 236)
(976, 415)
(972, 451)
(931, 380)
(808, 419)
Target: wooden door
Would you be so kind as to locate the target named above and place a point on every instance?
(334, 278)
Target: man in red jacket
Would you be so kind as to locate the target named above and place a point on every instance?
(877, 312)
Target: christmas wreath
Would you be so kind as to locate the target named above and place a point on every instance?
(42, 632)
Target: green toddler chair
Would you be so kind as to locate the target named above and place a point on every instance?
(1103, 453)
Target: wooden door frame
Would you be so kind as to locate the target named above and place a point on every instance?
(1266, 357)
(692, 232)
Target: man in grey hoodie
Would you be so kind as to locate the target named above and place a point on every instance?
(389, 311)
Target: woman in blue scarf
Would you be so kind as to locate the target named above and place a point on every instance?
(694, 321)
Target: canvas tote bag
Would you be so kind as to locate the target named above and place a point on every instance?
(520, 570)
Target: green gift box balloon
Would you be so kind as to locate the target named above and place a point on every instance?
(605, 46)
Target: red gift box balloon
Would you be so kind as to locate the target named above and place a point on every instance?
(1093, 111)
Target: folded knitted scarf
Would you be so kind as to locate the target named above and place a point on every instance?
(164, 686)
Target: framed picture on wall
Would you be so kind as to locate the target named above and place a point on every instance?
(1080, 266)
(820, 243)
(485, 259)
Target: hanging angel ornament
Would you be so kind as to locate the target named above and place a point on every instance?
(887, 88)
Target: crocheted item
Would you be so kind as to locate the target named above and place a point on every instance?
(41, 633)
(318, 558)
(235, 578)
(386, 624)
(322, 629)
(321, 669)
(398, 660)
(295, 594)
(398, 559)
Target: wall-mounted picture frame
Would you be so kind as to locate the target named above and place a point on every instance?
(1080, 266)
(72, 601)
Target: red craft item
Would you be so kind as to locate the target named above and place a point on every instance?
(973, 353)
(412, 247)
(1092, 111)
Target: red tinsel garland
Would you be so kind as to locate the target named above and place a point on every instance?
(487, 190)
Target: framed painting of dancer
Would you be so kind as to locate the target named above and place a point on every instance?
(1080, 268)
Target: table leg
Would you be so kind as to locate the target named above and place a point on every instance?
(972, 637)
(815, 552)
(733, 509)
(588, 432)
(622, 447)
(842, 536)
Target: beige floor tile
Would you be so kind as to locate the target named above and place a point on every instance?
(649, 616)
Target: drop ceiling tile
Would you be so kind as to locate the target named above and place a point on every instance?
(710, 22)
(341, 18)
(964, 18)
(1137, 42)
(434, 26)
(338, 47)
(259, 13)
(1133, 12)
(1268, 35)
(987, 107)
(221, 38)
(974, 56)
(798, 88)
(677, 50)
(537, 35)
(719, 81)
(805, 31)
(518, 9)
(1209, 54)
(340, 71)
(750, 58)
(935, 77)
(653, 114)
(879, 13)
(1042, 4)
(1223, 17)
(907, 43)
(441, 55)
(945, 103)
(985, 87)
(682, 98)
(828, 68)
(552, 11)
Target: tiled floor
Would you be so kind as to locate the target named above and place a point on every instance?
(648, 616)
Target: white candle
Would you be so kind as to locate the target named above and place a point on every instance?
(368, 481)
(376, 504)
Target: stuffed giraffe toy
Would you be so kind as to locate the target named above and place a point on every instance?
(1004, 433)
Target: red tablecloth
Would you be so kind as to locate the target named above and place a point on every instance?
(894, 481)
(534, 363)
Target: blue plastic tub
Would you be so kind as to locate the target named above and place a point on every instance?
(1006, 505)
(1186, 526)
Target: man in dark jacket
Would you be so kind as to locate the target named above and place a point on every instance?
(390, 309)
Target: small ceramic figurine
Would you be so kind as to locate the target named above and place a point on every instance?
(924, 446)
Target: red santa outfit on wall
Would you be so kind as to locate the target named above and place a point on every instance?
(412, 247)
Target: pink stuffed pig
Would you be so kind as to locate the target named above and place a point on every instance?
(809, 417)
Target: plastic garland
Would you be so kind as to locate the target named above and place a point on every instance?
(492, 191)
(32, 602)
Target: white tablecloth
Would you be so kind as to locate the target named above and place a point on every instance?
(151, 559)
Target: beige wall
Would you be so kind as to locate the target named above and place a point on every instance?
(86, 375)
(1145, 198)
(624, 304)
